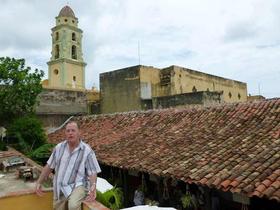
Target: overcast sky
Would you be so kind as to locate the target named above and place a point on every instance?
(237, 39)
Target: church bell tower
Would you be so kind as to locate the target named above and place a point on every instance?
(66, 66)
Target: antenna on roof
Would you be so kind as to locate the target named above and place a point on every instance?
(139, 52)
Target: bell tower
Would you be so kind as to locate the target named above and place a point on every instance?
(66, 66)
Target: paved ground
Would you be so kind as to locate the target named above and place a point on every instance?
(10, 183)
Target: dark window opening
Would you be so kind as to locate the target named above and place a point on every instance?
(73, 37)
(74, 78)
(239, 96)
(56, 55)
(56, 71)
(229, 95)
(194, 89)
(74, 52)
(65, 20)
(56, 36)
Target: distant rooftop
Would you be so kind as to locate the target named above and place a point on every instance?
(10, 182)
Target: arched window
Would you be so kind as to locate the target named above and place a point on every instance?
(74, 52)
(56, 36)
(229, 95)
(74, 82)
(239, 96)
(73, 37)
(194, 89)
(56, 54)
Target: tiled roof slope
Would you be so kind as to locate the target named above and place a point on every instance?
(232, 147)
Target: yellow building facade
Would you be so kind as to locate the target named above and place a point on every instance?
(139, 87)
(177, 80)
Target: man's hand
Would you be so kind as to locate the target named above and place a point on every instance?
(38, 189)
(91, 196)
(44, 174)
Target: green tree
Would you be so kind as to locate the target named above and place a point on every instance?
(19, 88)
(28, 132)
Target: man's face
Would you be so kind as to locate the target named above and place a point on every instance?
(72, 133)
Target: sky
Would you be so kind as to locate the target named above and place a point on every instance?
(237, 39)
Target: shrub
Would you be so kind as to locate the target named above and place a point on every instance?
(29, 133)
(112, 199)
(42, 153)
(2, 146)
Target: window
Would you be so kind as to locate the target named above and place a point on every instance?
(74, 82)
(229, 95)
(65, 20)
(73, 21)
(194, 89)
(55, 71)
(239, 96)
(56, 55)
(73, 37)
(56, 36)
(74, 52)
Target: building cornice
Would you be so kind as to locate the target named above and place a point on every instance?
(67, 60)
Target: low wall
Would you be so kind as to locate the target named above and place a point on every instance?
(25, 200)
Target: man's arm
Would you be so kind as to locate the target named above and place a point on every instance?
(92, 190)
(44, 174)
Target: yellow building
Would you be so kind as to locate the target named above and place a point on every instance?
(66, 66)
(145, 87)
(177, 80)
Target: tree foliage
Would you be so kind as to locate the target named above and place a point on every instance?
(113, 198)
(42, 153)
(19, 87)
(29, 133)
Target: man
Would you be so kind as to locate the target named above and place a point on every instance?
(75, 164)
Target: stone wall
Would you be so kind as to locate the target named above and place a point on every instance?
(57, 105)
(187, 99)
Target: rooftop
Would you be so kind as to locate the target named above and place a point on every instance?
(231, 147)
(11, 182)
(66, 11)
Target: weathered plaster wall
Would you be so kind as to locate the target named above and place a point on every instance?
(186, 99)
(185, 80)
(57, 105)
(120, 90)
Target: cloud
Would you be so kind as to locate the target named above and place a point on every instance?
(241, 31)
(234, 39)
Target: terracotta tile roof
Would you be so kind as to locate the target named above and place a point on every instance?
(232, 147)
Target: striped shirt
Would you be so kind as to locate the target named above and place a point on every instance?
(72, 168)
